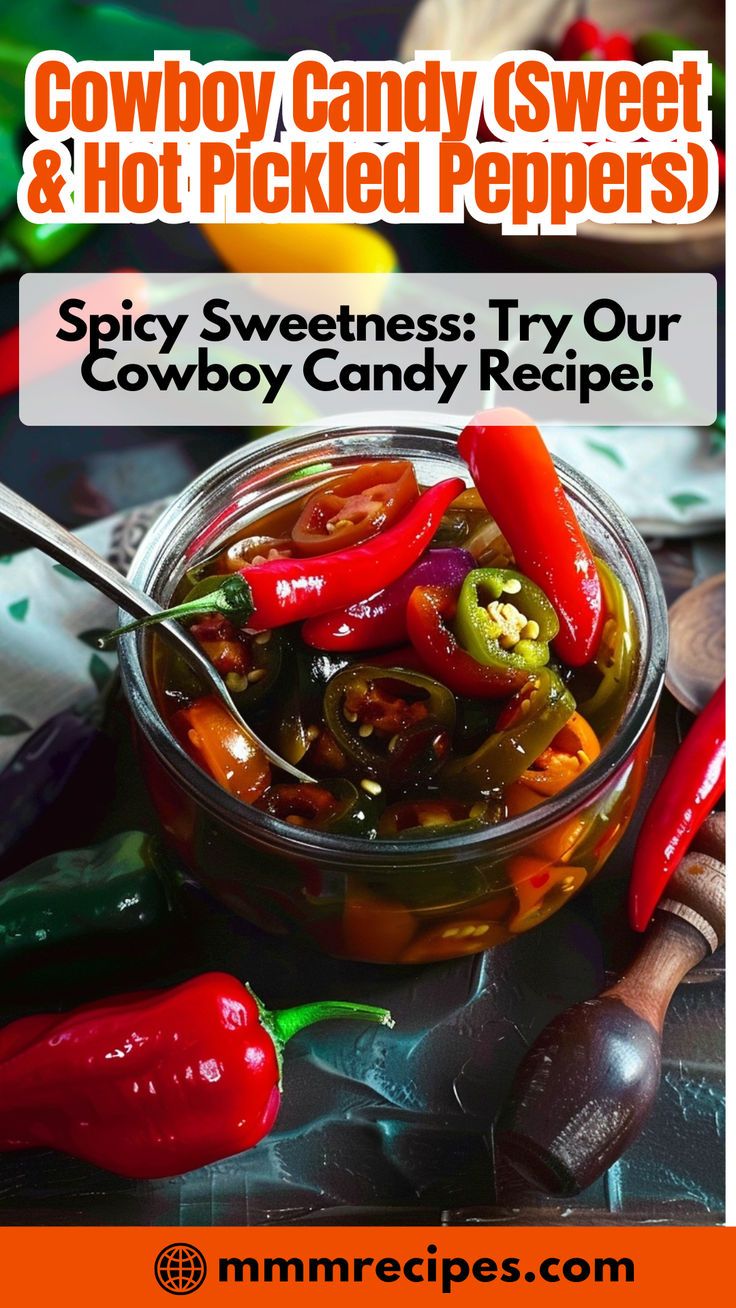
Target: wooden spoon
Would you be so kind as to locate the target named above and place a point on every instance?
(588, 1083)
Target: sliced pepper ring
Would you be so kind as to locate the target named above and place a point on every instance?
(355, 506)
(504, 620)
(428, 614)
(541, 888)
(250, 663)
(326, 806)
(413, 818)
(387, 720)
(525, 728)
(572, 751)
(452, 939)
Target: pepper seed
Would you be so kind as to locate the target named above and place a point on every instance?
(370, 787)
(365, 731)
(530, 631)
(236, 681)
(512, 586)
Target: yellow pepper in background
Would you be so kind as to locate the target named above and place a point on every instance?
(301, 248)
(309, 248)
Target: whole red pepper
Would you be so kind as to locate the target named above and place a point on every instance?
(280, 591)
(152, 1084)
(514, 473)
(693, 784)
(580, 38)
(428, 613)
(584, 39)
(43, 325)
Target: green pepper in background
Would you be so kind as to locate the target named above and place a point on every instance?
(88, 31)
(44, 244)
(123, 886)
(615, 658)
(503, 620)
(662, 45)
(524, 730)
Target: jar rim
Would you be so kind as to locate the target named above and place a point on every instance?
(262, 827)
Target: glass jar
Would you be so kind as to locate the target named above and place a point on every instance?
(408, 900)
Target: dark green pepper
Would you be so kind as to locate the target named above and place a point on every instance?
(504, 620)
(392, 724)
(525, 728)
(124, 885)
(615, 657)
(296, 727)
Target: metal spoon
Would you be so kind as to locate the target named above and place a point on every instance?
(26, 520)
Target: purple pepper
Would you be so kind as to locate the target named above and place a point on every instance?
(379, 621)
(36, 775)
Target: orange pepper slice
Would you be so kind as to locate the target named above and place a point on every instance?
(541, 888)
(453, 939)
(570, 753)
(555, 845)
(374, 929)
(221, 746)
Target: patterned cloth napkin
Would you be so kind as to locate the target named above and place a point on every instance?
(54, 678)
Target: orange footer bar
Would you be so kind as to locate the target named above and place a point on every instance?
(129, 1267)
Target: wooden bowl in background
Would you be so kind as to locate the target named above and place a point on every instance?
(481, 29)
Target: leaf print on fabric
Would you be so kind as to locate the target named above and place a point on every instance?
(687, 500)
(10, 725)
(100, 671)
(19, 609)
(608, 451)
(63, 571)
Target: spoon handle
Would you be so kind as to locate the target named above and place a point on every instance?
(26, 520)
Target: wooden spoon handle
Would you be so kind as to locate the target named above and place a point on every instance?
(586, 1086)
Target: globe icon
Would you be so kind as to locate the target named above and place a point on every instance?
(180, 1268)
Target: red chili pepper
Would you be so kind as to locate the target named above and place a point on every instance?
(280, 591)
(693, 784)
(580, 38)
(618, 46)
(513, 470)
(428, 613)
(584, 39)
(152, 1084)
(44, 323)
